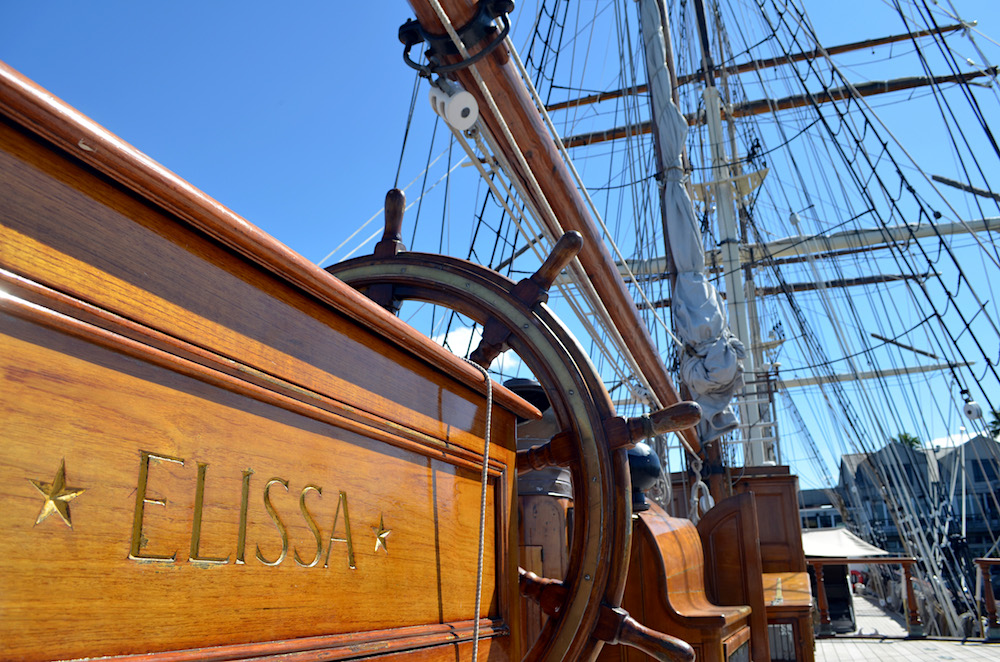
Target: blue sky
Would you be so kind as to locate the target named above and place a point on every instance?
(293, 118)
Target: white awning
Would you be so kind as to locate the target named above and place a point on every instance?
(832, 543)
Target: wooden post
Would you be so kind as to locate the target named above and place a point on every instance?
(914, 625)
(825, 627)
(992, 625)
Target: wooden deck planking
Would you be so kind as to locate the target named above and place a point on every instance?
(904, 650)
(871, 619)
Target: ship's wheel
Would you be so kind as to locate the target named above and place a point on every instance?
(584, 608)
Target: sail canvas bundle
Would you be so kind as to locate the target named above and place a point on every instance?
(711, 362)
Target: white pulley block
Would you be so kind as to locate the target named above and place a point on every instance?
(458, 109)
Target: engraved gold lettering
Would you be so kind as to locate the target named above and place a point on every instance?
(277, 522)
(241, 540)
(311, 521)
(347, 534)
(199, 502)
(138, 540)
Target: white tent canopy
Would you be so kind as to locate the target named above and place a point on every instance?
(834, 543)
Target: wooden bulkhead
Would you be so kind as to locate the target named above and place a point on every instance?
(212, 449)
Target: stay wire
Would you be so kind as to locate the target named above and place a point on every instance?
(406, 132)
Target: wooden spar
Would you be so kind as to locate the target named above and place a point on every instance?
(755, 65)
(557, 188)
(904, 346)
(809, 287)
(761, 106)
(965, 187)
(797, 248)
(872, 374)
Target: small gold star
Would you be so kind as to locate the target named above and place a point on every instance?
(57, 496)
(381, 533)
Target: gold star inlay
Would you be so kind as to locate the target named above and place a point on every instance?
(57, 496)
(381, 533)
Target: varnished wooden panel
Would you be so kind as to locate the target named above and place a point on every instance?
(732, 564)
(193, 418)
(71, 231)
(778, 521)
(138, 566)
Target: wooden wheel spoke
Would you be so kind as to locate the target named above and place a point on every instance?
(535, 288)
(626, 432)
(614, 624)
(559, 451)
(590, 439)
(494, 342)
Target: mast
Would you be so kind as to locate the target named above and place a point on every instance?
(757, 452)
(521, 135)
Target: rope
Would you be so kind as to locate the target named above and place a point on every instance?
(482, 509)
(533, 182)
(406, 133)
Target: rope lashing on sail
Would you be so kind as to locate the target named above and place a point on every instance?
(482, 508)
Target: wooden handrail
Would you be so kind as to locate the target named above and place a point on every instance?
(876, 560)
(992, 632)
(914, 625)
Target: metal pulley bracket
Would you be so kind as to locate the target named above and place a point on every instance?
(474, 32)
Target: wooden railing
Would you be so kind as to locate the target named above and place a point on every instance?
(914, 625)
(992, 632)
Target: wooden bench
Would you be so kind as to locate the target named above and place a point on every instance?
(666, 591)
(789, 616)
(733, 573)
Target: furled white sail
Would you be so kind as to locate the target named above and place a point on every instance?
(712, 359)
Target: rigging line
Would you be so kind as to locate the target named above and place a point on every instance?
(949, 56)
(406, 132)
(841, 337)
(423, 186)
(749, 161)
(941, 99)
(863, 189)
(491, 182)
(969, 28)
(586, 287)
(533, 183)
(862, 101)
(382, 209)
(829, 362)
(634, 149)
(583, 189)
(445, 216)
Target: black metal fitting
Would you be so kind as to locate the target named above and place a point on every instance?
(477, 30)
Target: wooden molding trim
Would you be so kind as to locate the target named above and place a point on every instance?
(54, 121)
(332, 647)
(41, 305)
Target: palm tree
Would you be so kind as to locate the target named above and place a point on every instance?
(993, 427)
(910, 440)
